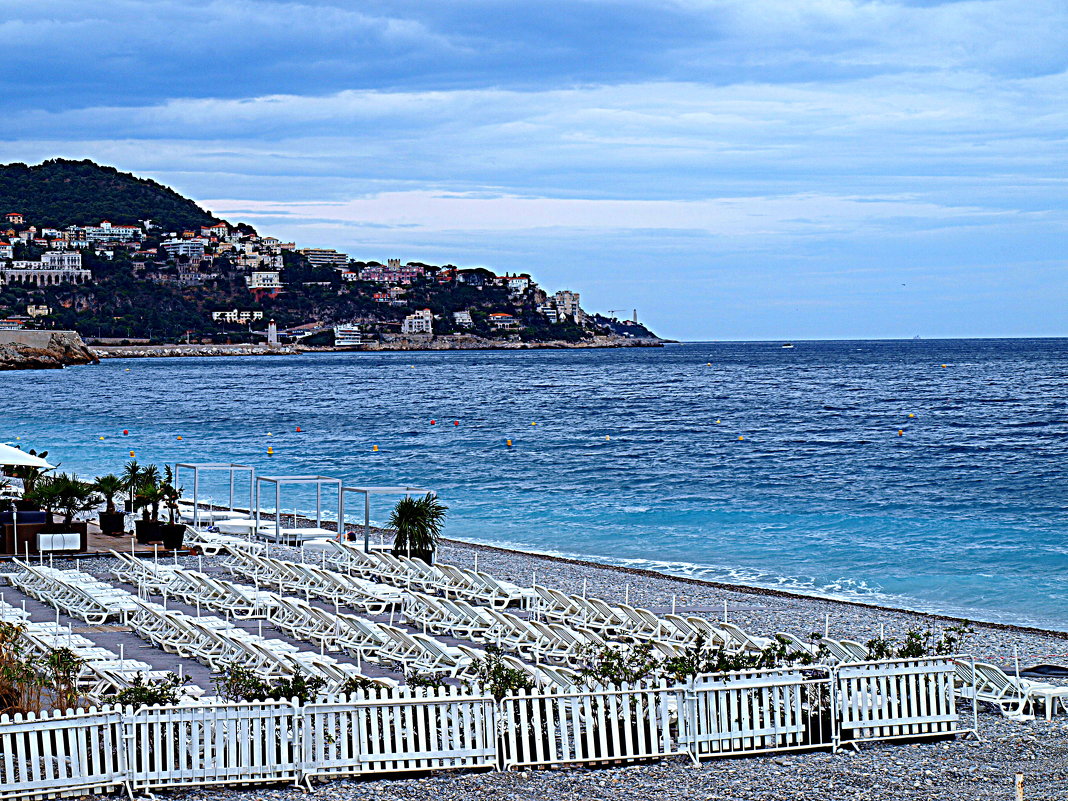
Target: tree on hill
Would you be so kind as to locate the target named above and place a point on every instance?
(62, 192)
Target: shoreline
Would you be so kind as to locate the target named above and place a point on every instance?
(177, 350)
(766, 592)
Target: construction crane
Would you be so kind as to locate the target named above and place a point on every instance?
(616, 312)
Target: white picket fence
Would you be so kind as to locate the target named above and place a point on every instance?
(556, 727)
(389, 731)
(894, 700)
(405, 729)
(56, 755)
(757, 712)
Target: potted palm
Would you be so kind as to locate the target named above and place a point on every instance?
(173, 532)
(418, 523)
(111, 521)
(148, 496)
(131, 478)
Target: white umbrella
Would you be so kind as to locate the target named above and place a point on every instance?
(14, 457)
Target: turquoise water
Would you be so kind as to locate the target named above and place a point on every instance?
(963, 513)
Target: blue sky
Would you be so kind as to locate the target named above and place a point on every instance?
(735, 169)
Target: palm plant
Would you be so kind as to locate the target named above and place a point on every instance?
(171, 494)
(109, 486)
(75, 496)
(29, 475)
(418, 523)
(131, 477)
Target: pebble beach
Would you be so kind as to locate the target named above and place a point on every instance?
(963, 768)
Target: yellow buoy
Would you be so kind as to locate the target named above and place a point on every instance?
(709, 364)
(101, 438)
(911, 414)
(717, 422)
(508, 442)
(374, 448)
(607, 437)
(901, 432)
(533, 424)
(268, 433)
(270, 451)
(943, 367)
(179, 437)
(740, 438)
(131, 454)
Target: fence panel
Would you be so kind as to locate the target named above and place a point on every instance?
(899, 699)
(754, 712)
(399, 730)
(51, 756)
(605, 725)
(216, 744)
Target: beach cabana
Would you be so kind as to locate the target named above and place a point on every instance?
(13, 457)
(319, 482)
(215, 467)
(367, 492)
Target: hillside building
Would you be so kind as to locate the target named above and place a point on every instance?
(421, 322)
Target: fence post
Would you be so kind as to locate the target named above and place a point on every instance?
(836, 718)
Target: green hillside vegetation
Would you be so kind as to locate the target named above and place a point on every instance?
(61, 192)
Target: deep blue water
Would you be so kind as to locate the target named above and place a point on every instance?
(963, 513)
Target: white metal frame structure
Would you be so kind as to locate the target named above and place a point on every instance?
(367, 492)
(279, 481)
(197, 467)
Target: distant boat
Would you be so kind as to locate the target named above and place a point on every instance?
(348, 336)
(788, 345)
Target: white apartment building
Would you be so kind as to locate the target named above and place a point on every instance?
(237, 316)
(268, 280)
(517, 284)
(61, 260)
(191, 248)
(106, 231)
(324, 257)
(462, 319)
(35, 274)
(421, 322)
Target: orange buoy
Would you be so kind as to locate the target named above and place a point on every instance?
(270, 451)
(179, 436)
(298, 429)
(125, 432)
(508, 442)
(374, 448)
(131, 454)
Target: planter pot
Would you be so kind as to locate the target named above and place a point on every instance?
(148, 531)
(112, 522)
(127, 507)
(172, 535)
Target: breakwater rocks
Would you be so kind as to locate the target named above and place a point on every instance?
(41, 350)
(155, 351)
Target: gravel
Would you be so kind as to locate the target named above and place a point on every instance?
(953, 770)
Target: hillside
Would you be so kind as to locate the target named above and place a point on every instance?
(61, 192)
(191, 276)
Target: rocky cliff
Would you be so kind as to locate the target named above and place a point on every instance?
(38, 350)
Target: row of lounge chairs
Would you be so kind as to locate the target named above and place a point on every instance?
(75, 593)
(990, 684)
(309, 580)
(414, 574)
(102, 672)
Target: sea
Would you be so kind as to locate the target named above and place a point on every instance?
(922, 474)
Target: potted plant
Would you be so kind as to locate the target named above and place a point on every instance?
(131, 479)
(111, 521)
(148, 496)
(418, 523)
(75, 496)
(173, 532)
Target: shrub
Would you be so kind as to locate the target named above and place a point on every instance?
(496, 677)
(160, 693)
(238, 683)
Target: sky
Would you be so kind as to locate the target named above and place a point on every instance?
(733, 169)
